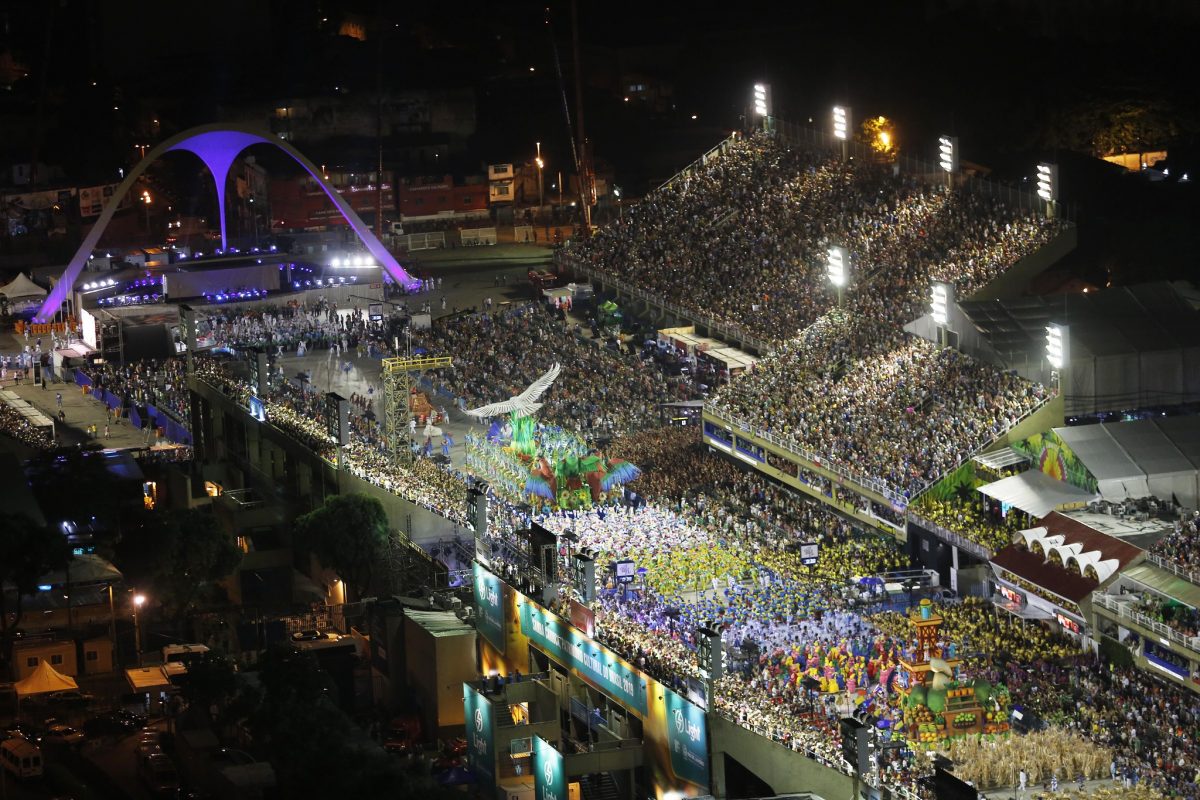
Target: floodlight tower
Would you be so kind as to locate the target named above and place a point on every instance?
(762, 105)
(1047, 187)
(838, 267)
(941, 297)
(948, 157)
(1058, 354)
(841, 128)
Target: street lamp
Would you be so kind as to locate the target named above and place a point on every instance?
(841, 127)
(254, 219)
(540, 165)
(1047, 185)
(138, 601)
(838, 267)
(617, 194)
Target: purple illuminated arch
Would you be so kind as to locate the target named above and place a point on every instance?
(217, 146)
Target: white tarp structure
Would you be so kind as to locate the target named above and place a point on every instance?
(1036, 493)
(21, 287)
(1157, 457)
(1117, 477)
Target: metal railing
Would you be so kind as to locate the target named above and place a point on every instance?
(715, 150)
(1190, 575)
(950, 537)
(880, 487)
(1123, 610)
(1052, 394)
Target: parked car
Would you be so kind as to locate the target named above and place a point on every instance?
(110, 724)
(158, 774)
(138, 720)
(25, 730)
(149, 743)
(69, 699)
(62, 734)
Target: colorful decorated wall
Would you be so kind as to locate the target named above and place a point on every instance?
(1054, 457)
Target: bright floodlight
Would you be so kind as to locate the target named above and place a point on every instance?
(948, 153)
(762, 100)
(837, 266)
(1047, 182)
(337, 262)
(1056, 345)
(841, 122)
(139, 600)
(939, 303)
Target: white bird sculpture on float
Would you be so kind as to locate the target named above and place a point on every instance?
(524, 404)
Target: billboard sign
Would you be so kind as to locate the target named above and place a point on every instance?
(481, 745)
(488, 597)
(687, 737)
(596, 664)
(549, 779)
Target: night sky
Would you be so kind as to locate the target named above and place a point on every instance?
(1016, 80)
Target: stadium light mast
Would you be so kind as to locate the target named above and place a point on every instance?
(762, 104)
(948, 157)
(940, 299)
(838, 267)
(1058, 353)
(841, 128)
(1047, 187)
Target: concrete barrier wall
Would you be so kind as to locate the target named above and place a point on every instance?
(785, 770)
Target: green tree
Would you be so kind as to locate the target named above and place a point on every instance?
(27, 552)
(178, 557)
(210, 679)
(349, 535)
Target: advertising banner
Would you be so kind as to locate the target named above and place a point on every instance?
(481, 745)
(549, 780)
(595, 664)
(488, 604)
(687, 735)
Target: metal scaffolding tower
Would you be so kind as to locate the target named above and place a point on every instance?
(397, 400)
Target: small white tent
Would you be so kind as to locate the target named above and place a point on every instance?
(20, 287)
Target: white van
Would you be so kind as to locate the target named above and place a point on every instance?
(21, 757)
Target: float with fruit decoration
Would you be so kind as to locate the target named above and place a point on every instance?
(937, 704)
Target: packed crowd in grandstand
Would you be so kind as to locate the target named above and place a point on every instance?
(719, 547)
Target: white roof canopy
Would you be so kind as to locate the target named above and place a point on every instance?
(1142, 458)
(1036, 493)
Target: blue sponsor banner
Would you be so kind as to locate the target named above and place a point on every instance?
(687, 735)
(488, 599)
(82, 379)
(596, 664)
(135, 419)
(481, 743)
(549, 778)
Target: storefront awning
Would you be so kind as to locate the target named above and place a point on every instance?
(1036, 493)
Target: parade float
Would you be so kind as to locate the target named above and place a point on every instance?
(938, 703)
(549, 468)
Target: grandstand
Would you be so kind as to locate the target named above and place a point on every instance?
(848, 407)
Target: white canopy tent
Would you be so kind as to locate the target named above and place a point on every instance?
(1036, 493)
(21, 287)
(1143, 458)
(1117, 476)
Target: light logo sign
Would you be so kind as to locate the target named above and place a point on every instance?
(549, 778)
(488, 597)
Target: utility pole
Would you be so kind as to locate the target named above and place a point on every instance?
(379, 131)
(585, 161)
